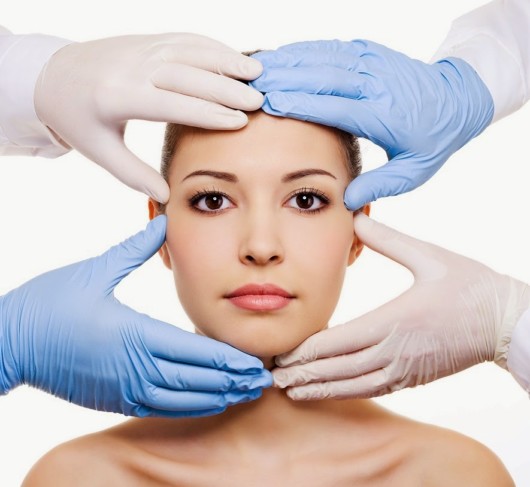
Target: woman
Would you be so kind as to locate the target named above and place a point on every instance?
(258, 240)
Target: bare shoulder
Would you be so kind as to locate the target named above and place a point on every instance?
(450, 458)
(89, 460)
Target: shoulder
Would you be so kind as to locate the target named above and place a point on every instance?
(450, 458)
(87, 461)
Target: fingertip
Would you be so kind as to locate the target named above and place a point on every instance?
(281, 379)
(158, 190)
(358, 194)
(251, 68)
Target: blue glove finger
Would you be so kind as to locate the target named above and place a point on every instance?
(388, 180)
(318, 80)
(176, 345)
(122, 259)
(313, 53)
(353, 116)
(189, 377)
(146, 412)
(168, 400)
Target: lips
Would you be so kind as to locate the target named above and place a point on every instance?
(260, 297)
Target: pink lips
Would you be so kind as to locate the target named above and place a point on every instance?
(260, 297)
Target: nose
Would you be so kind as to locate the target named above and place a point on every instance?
(261, 240)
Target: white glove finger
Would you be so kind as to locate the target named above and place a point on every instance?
(332, 369)
(225, 61)
(109, 151)
(418, 256)
(363, 387)
(198, 83)
(166, 106)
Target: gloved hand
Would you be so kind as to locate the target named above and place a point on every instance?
(88, 91)
(457, 314)
(65, 333)
(418, 113)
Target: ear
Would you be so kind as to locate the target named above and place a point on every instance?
(154, 211)
(357, 245)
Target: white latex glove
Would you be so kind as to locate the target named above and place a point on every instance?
(458, 313)
(88, 91)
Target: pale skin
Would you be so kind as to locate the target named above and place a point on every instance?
(260, 229)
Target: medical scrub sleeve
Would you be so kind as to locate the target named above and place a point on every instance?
(21, 132)
(495, 40)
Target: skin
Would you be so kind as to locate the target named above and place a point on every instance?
(260, 237)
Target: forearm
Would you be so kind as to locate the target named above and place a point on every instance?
(495, 41)
(22, 58)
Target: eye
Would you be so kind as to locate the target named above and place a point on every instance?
(308, 200)
(210, 201)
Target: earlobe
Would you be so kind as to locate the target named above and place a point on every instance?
(357, 245)
(154, 211)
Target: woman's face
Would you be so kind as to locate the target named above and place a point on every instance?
(261, 206)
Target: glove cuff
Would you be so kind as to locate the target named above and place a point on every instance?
(518, 302)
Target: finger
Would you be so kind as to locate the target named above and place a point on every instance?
(108, 150)
(168, 400)
(166, 106)
(332, 369)
(146, 412)
(313, 53)
(363, 387)
(184, 377)
(197, 83)
(347, 338)
(123, 258)
(358, 117)
(388, 180)
(216, 58)
(318, 80)
(175, 345)
(420, 257)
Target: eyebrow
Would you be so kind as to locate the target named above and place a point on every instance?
(232, 178)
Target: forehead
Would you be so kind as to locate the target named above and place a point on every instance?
(266, 144)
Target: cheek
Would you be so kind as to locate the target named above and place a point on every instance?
(200, 250)
(320, 251)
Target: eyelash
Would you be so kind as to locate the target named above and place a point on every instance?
(198, 195)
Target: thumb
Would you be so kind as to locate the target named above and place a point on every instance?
(120, 260)
(388, 180)
(420, 257)
(111, 153)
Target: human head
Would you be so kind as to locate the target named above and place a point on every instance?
(295, 233)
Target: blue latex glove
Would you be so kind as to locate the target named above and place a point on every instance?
(66, 333)
(418, 113)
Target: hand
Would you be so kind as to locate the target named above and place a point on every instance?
(88, 91)
(418, 113)
(457, 314)
(65, 333)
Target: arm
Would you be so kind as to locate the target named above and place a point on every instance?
(21, 131)
(495, 40)
(83, 94)
(457, 314)
(419, 113)
(65, 333)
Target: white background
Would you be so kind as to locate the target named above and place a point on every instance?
(54, 212)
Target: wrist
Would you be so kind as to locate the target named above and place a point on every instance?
(8, 368)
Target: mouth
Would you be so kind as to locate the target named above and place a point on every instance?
(260, 297)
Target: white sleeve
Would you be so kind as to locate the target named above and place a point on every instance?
(518, 362)
(22, 58)
(495, 40)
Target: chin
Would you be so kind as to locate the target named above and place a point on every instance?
(263, 343)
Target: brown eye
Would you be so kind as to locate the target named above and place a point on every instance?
(213, 201)
(210, 202)
(308, 201)
(305, 201)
